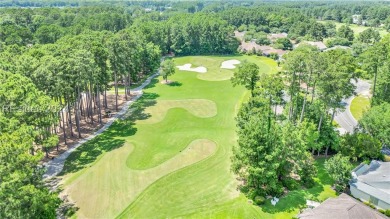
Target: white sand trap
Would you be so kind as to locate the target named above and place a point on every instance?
(230, 64)
(187, 67)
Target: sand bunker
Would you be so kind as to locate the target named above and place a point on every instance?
(230, 64)
(187, 67)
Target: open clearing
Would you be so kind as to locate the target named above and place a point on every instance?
(171, 157)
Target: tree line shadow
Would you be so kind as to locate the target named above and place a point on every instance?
(112, 138)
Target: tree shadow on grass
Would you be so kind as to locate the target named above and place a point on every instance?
(86, 154)
(137, 109)
(110, 139)
(293, 200)
(152, 83)
(175, 84)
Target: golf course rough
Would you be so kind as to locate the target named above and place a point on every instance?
(175, 161)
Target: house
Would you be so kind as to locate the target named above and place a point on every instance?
(274, 36)
(341, 207)
(239, 35)
(371, 183)
(355, 18)
(358, 19)
(266, 50)
(338, 47)
(279, 52)
(320, 45)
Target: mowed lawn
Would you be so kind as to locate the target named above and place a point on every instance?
(171, 157)
(357, 28)
(359, 105)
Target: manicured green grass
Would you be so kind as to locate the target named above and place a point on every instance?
(171, 157)
(357, 29)
(358, 106)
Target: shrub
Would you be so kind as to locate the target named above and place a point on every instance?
(285, 42)
(248, 37)
(242, 28)
(274, 56)
(262, 29)
(263, 40)
(251, 194)
(338, 41)
(387, 212)
(259, 200)
(369, 204)
(291, 184)
(259, 52)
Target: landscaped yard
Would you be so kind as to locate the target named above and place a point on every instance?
(171, 156)
(358, 106)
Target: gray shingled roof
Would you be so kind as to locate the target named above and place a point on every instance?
(342, 207)
(374, 179)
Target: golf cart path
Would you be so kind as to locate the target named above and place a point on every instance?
(55, 166)
(344, 118)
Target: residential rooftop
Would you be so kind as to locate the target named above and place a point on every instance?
(373, 179)
(342, 207)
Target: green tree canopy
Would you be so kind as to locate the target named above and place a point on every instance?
(167, 68)
(339, 168)
(247, 75)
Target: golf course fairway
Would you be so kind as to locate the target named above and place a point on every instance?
(170, 158)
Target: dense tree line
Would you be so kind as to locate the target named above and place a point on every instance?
(25, 120)
(185, 34)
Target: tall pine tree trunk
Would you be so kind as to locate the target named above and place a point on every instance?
(303, 107)
(374, 86)
(70, 119)
(81, 106)
(99, 105)
(116, 92)
(129, 88)
(90, 105)
(126, 87)
(105, 98)
(328, 146)
(63, 122)
(77, 112)
(313, 92)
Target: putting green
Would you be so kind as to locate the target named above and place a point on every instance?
(171, 157)
(198, 107)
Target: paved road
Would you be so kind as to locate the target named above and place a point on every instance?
(55, 166)
(344, 117)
